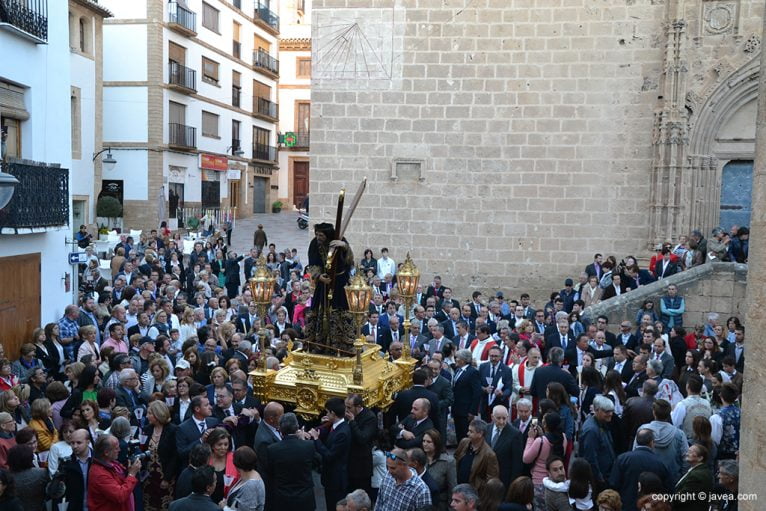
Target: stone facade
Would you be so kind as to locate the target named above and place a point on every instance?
(716, 287)
(507, 141)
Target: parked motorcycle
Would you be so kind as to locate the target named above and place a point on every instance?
(303, 219)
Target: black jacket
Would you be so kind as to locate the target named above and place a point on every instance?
(467, 393)
(403, 403)
(334, 447)
(628, 467)
(364, 430)
(166, 450)
(289, 468)
(409, 424)
(508, 448)
(547, 374)
(69, 468)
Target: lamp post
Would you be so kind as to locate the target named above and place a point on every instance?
(108, 162)
(7, 185)
(262, 288)
(358, 295)
(407, 278)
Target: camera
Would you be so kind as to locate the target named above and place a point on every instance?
(134, 451)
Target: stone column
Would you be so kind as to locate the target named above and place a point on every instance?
(752, 448)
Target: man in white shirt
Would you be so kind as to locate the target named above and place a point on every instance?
(385, 264)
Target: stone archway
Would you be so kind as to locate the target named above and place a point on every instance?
(693, 148)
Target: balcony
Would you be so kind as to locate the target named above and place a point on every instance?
(264, 152)
(181, 78)
(25, 18)
(302, 140)
(236, 49)
(264, 62)
(40, 201)
(266, 18)
(182, 136)
(181, 19)
(265, 109)
(236, 145)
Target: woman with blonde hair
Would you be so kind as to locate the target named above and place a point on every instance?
(218, 379)
(188, 327)
(11, 404)
(158, 374)
(73, 372)
(42, 424)
(162, 461)
(89, 346)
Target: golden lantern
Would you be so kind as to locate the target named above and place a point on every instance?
(407, 278)
(359, 296)
(262, 287)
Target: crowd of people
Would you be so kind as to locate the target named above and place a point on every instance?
(138, 397)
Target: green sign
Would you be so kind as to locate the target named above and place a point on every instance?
(290, 139)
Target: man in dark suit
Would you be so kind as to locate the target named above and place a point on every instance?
(466, 388)
(239, 422)
(403, 401)
(198, 457)
(333, 443)
(639, 376)
(451, 323)
(594, 269)
(289, 466)
(442, 387)
(268, 433)
(629, 466)
(664, 268)
(602, 322)
(363, 424)
(73, 477)
(196, 428)
(203, 485)
(393, 332)
(661, 354)
(435, 289)
(638, 410)
(496, 382)
(409, 432)
(506, 441)
(736, 350)
(126, 394)
(142, 327)
(615, 289)
(626, 337)
(374, 330)
(574, 355)
(464, 337)
(246, 321)
(619, 362)
(562, 337)
(553, 372)
(636, 277)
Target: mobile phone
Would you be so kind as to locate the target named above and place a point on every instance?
(534, 422)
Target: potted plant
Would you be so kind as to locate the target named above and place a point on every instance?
(110, 208)
(276, 206)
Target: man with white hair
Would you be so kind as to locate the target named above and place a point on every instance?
(596, 444)
(127, 393)
(358, 500)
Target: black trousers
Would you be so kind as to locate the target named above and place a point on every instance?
(461, 426)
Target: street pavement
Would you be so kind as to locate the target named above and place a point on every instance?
(281, 229)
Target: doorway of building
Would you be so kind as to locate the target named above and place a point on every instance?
(19, 305)
(78, 214)
(300, 182)
(260, 185)
(176, 202)
(211, 194)
(736, 193)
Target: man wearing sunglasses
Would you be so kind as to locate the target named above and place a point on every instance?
(401, 489)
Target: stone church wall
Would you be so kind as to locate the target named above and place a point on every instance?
(507, 141)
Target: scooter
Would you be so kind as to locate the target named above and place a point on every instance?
(303, 219)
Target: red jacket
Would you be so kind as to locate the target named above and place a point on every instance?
(109, 489)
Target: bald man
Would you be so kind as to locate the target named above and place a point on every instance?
(72, 469)
(268, 432)
(409, 432)
(508, 444)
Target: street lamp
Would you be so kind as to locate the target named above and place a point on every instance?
(358, 295)
(108, 162)
(262, 288)
(407, 278)
(7, 185)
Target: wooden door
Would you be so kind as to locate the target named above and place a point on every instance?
(19, 304)
(300, 182)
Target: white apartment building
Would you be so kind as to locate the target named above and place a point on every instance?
(190, 107)
(35, 114)
(294, 101)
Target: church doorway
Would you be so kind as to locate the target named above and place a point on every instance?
(736, 193)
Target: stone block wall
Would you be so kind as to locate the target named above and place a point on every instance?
(532, 122)
(713, 287)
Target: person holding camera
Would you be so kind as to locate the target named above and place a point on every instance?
(542, 443)
(110, 486)
(73, 468)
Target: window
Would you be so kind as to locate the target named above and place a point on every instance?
(303, 67)
(233, 193)
(259, 43)
(13, 142)
(209, 125)
(176, 53)
(236, 45)
(261, 90)
(209, 71)
(82, 35)
(76, 118)
(236, 142)
(302, 116)
(209, 17)
(236, 89)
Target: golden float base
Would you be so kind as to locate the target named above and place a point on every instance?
(308, 380)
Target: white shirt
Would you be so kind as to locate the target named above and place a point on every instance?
(386, 265)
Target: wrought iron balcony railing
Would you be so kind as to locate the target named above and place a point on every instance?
(180, 17)
(181, 135)
(40, 200)
(265, 107)
(263, 60)
(302, 139)
(236, 145)
(264, 152)
(28, 16)
(182, 76)
(262, 12)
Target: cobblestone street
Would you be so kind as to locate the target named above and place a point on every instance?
(281, 229)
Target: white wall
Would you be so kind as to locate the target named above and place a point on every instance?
(127, 9)
(84, 77)
(44, 70)
(125, 53)
(132, 168)
(126, 114)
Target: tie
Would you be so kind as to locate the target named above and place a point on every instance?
(657, 356)
(374, 336)
(202, 427)
(396, 336)
(564, 341)
(457, 375)
(494, 437)
(492, 374)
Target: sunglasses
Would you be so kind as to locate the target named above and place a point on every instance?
(395, 457)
